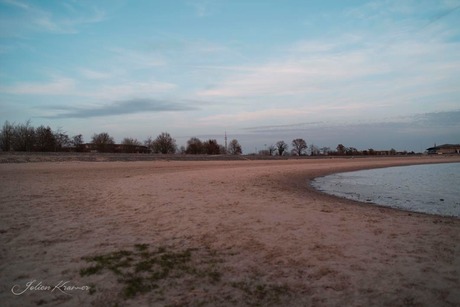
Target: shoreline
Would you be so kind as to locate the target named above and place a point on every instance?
(382, 204)
(268, 226)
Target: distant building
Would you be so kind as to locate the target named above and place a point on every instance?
(444, 149)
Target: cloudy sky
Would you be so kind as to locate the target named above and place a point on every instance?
(368, 74)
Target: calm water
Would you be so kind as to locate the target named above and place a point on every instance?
(433, 188)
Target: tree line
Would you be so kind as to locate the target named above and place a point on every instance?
(25, 137)
(300, 148)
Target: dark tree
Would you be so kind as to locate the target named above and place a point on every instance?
(62, 140)
(234, 148)
(44, 139)
(77, 142)
(351, 151)
(271, 150)
(341, 149)
(130, 145)
(222, 150)
(164, 144)
(6, 136)
(103, 142)
(194, 146)
(281, 146)
(131, 142)
(211, 147)
(299, 146)
(24, 137)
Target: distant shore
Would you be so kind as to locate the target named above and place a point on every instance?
(266, 235)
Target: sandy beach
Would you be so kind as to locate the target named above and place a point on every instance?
(266, 236)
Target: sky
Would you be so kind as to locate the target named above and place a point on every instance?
(365, 74)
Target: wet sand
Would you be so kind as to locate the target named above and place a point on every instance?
(269, 229)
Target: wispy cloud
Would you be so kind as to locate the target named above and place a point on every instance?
(135, 58)
(125, 107)
(294, 76)
(58, 86)
(129, 89)
(413, 132)
(282, 115)
(419, 121)
(69, 25)
(33, 17)
(445, 119)
(305, 75)
(361, 68)
(94, 74)
(16, 3)
(250, 116)
(296, 126)
(202, 8)
(103, 91)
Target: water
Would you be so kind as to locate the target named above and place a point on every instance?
(431, 188)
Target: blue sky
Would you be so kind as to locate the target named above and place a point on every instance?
(368, 74)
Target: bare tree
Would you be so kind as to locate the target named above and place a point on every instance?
(130, 145)
(234, 148)
(103, 142)
(164, 144)
(44, 139)
(352, 151)
(62, 139)
(299, 146)
(149, 143)
(271, 150)
(77, 142)
(194, 146)
(281, 147)
(24, 137)
(131, 141)
(6, 136)
(341, 150)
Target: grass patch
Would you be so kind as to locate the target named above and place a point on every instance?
(142, 269)
(192, 277)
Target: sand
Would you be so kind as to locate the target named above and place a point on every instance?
(277, 241)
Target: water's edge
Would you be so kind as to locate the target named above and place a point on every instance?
(424, 188)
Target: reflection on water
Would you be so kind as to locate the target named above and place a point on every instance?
(433, 188)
